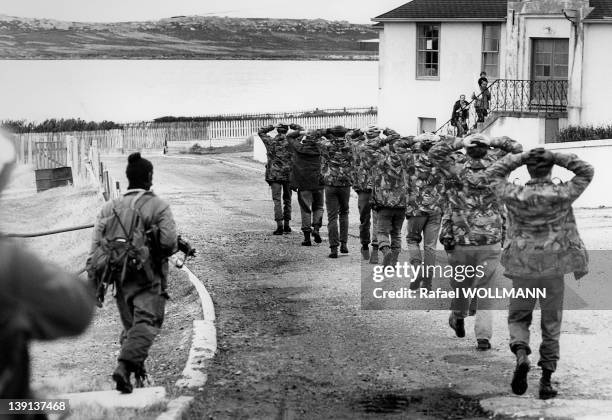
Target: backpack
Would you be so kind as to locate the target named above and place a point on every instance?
(124, 248)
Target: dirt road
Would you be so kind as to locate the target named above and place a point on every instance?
(293, 340)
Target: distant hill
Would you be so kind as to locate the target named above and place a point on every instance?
(184, 37)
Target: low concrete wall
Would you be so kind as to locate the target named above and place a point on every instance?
(259, 150)
(596, 152)
(528, 131)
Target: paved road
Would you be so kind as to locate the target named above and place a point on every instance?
(293, 340)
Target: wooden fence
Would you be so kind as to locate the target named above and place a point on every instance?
(35, 148)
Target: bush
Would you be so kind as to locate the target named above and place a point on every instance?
(197, 149)
(54, 125)
(582, 133)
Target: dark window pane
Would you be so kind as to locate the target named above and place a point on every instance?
(561, 71)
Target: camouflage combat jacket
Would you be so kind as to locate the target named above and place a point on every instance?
(473, 215)
(361, 178)
(278, 167)
(336, 161)
(426, 189)
(389, 160)
(542, 239)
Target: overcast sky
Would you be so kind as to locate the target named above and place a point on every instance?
(358, 11)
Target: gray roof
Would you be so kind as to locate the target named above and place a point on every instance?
(478, 10)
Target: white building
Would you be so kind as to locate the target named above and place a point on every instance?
(548, 62)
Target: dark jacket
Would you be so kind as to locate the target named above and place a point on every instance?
(459, 110)
(306, 166)
(37, 301)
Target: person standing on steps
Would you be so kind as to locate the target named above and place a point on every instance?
(472, 223)
(337, 168)
(389, 159)
(305, 178)
(543, 244)
(278, 169)
(460, 116)
(424, 208)
(482, 101)
(362, 184)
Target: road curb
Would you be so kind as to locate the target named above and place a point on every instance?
(176, 409)
(204, 342)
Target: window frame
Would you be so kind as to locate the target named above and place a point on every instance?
(484, 52)
(420, 31)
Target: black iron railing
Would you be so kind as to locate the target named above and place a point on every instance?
(548, 96)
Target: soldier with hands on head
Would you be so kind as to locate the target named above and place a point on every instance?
(337, 168)
(305, 177)
(424, 208)
(278, 169)
(362, 184)
(133, 237)
(542, 246)
(389, 159)
(472, 224)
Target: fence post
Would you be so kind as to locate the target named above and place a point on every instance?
(69, 153)
(106, 186)
(29, 149)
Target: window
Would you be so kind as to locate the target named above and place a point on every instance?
(428, 50)
(491, 35)
(427, 125)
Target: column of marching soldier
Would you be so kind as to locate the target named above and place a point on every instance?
(454, 190)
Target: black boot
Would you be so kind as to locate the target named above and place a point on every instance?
(306, 241)
(546, 389)
(316, 236)
(121, 376)
(519, 380)
(343, 248)
(334, 252)
(365, 252)
(140, 376)
(457, 324)
(286, 227)
(279, 228)
(374, 255)
(387, 255)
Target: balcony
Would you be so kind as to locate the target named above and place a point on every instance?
(539, 96)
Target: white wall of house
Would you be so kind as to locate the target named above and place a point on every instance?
(538, 27)
(596, 152)
(403, 98)
(527, 131)
(596, 81)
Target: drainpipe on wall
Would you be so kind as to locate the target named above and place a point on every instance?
(574, 94)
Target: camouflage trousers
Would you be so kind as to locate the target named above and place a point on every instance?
(484, 256)
(337, 203)
(281, 196)
(424, 228)
(366, 215)
(141, 310)
(520, 315)
(389, 227)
